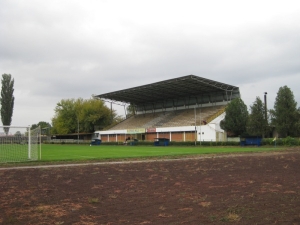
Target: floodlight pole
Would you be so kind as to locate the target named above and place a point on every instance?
(266, 113)
(265, 98)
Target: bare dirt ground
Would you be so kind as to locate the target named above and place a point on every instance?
(259, 188)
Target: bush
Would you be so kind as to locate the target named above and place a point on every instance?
(204, 143)
(288, 141)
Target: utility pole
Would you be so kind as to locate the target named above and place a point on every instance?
(266, 115)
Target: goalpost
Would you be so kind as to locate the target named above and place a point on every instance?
(19, 144)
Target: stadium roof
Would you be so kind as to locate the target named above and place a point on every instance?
(188, 89)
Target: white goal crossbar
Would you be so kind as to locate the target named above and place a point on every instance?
(19, 144)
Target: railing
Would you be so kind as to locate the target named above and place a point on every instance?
(214, 116)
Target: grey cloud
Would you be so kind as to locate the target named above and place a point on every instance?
(75, 49)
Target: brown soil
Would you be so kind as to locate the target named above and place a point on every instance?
(249, 189)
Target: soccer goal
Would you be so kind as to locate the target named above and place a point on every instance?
(19, 144)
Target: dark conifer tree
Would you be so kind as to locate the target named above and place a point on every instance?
(236, 117)
(7, 100)
(285, 112)
(257, 124)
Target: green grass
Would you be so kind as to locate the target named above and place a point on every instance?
(11, 152)
(52, 152)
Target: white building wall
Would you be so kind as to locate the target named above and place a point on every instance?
(206, 133)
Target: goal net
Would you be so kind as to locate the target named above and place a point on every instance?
(19, 144)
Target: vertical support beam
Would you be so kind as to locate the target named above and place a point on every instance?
(125, 111)
(111, 112)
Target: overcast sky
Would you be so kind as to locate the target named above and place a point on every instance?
(58, 50)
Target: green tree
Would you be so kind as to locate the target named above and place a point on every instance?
(18, 134)
(130, 110)
(41, 124)
(7, 100)
(285, 114)
(236, 117)
(298, 122)
(65, 118)
(81, 115)
(257, 123)
(45, 127)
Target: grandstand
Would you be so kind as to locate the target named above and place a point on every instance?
(187, 108)
(174, 118)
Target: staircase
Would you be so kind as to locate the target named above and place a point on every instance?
(214, 116)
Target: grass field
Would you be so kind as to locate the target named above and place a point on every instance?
(15, 152)
(52, 152)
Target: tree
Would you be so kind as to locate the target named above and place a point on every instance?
(257, 123)
(65, 118)
(130, 110)
(285, 115)
(298, 122)
(41, 124)
(236, 117)
(81, 115)
(18, 134)
(7, 100)
(45, 127)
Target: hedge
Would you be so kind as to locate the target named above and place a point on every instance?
(288, 141)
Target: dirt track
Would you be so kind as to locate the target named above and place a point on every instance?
(256, 189)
